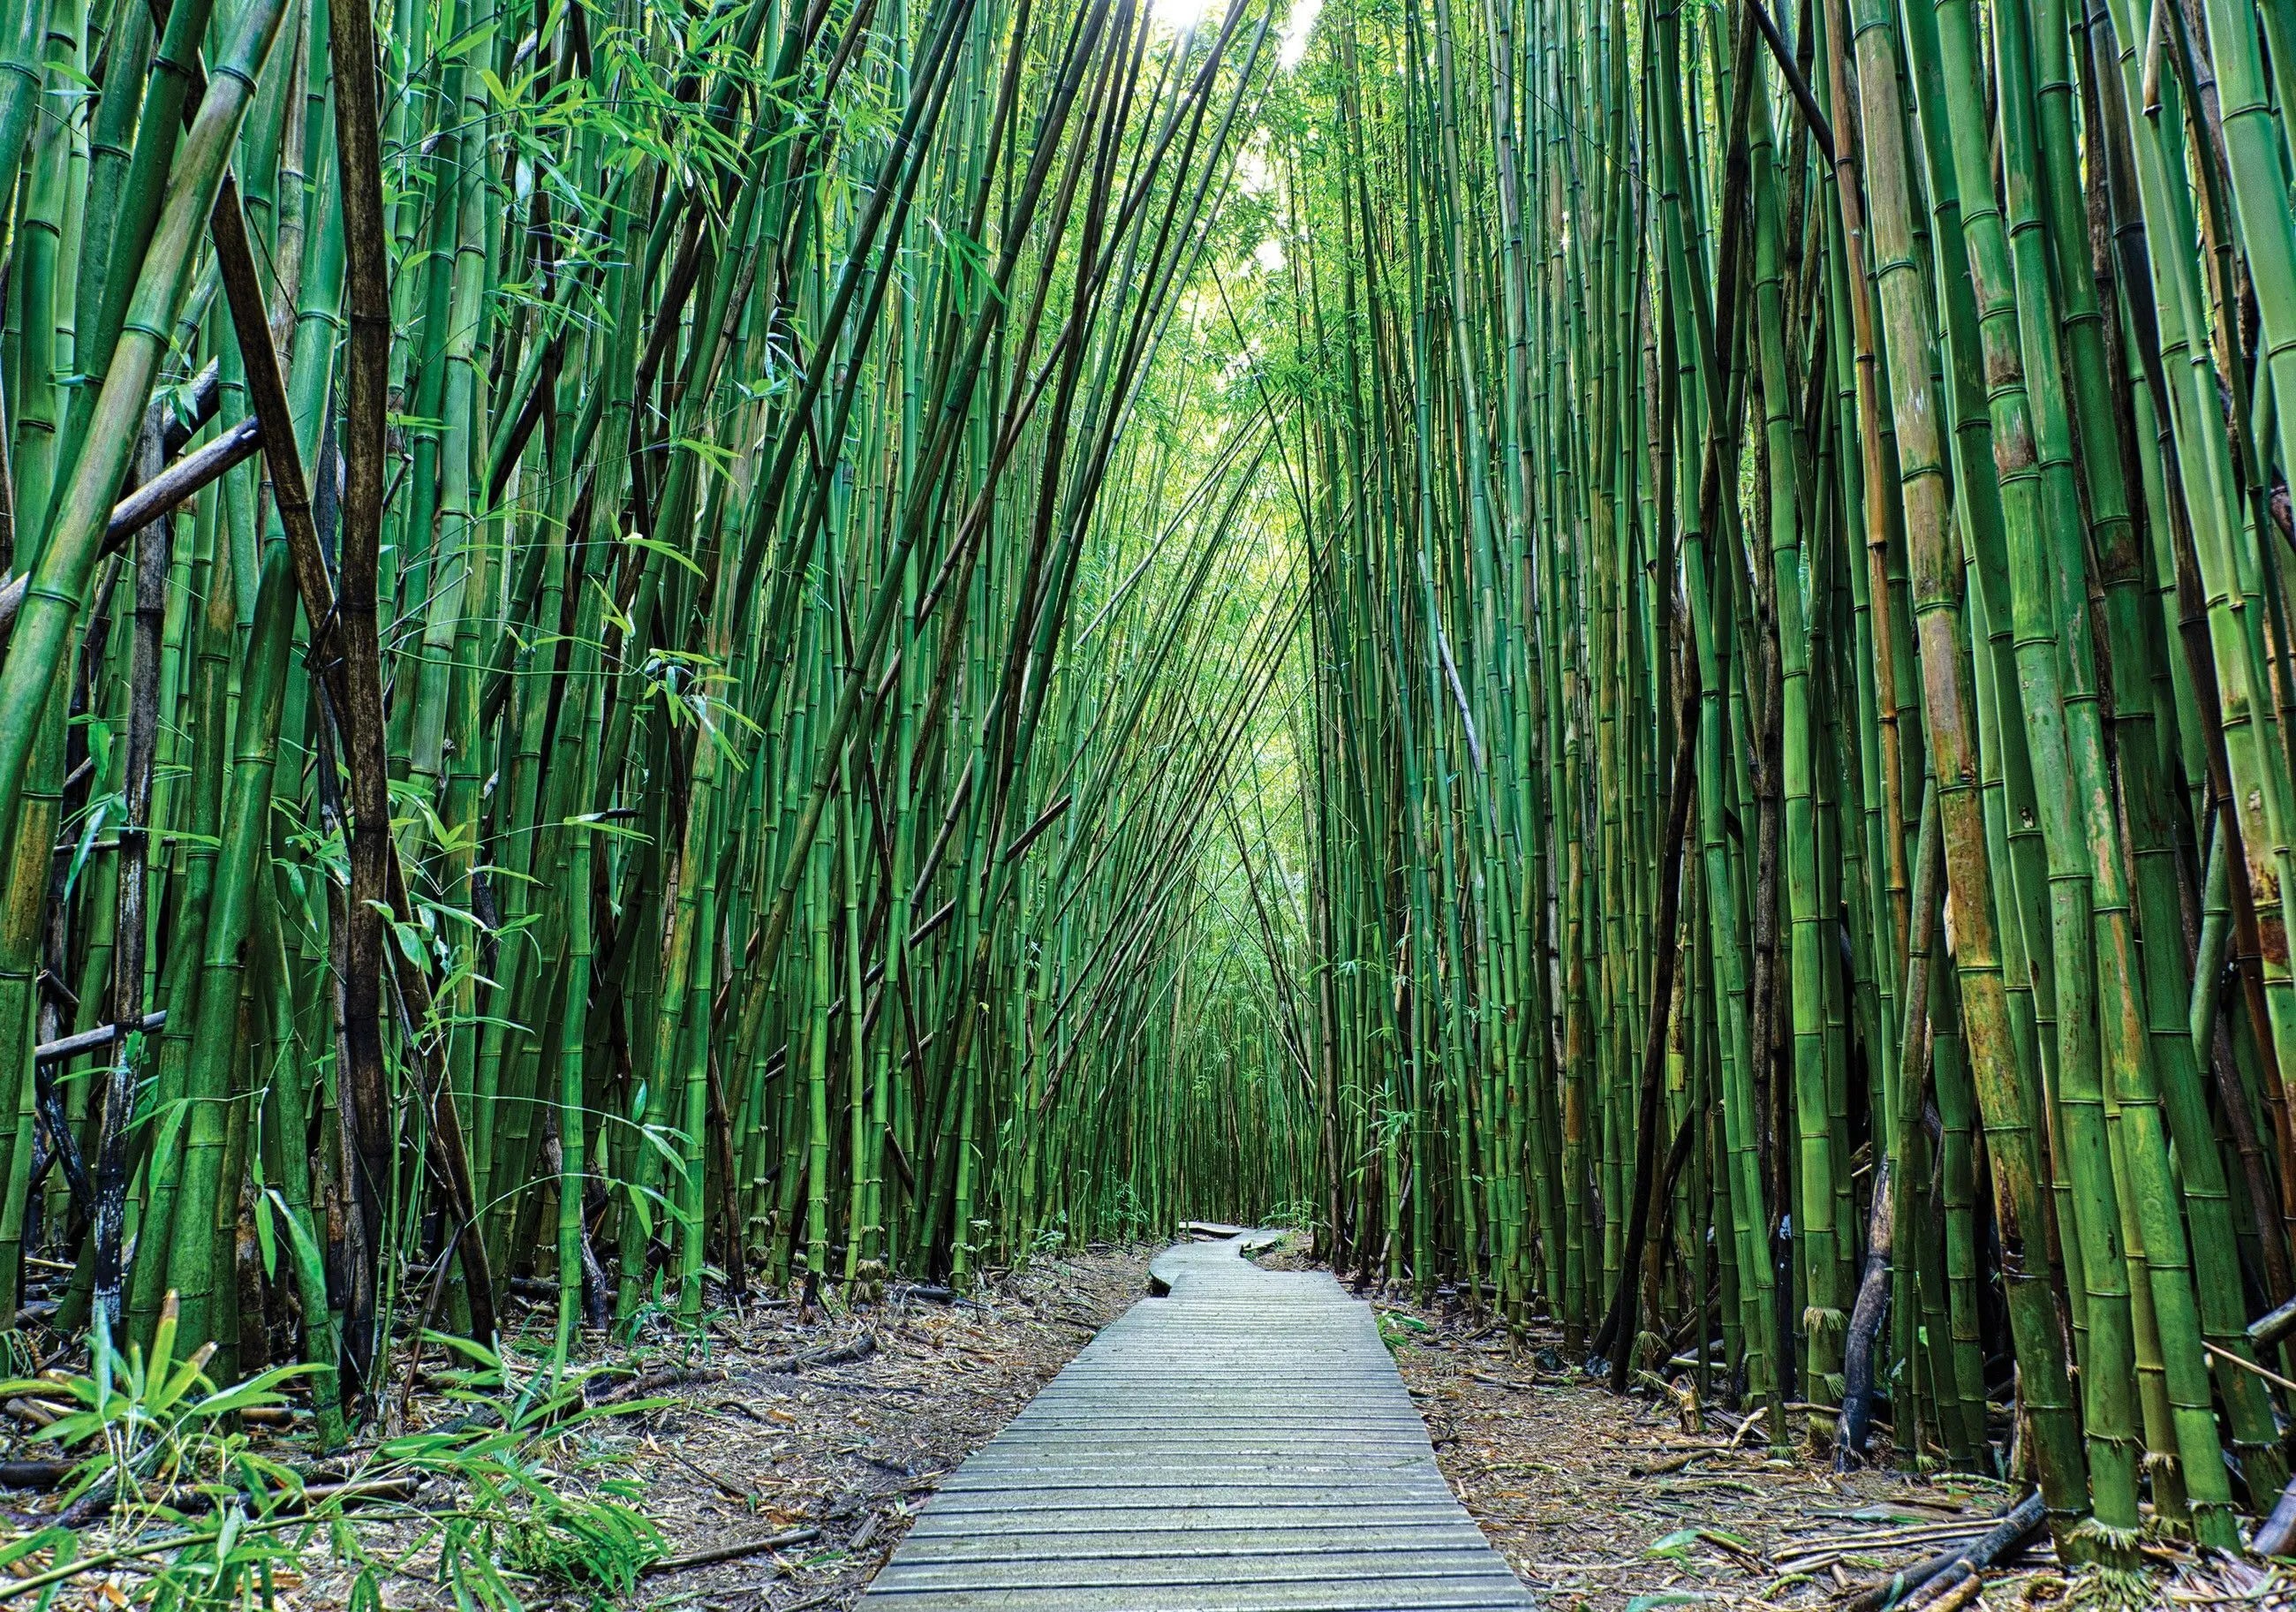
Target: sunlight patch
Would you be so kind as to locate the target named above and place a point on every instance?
(1298, 27)
(1181, 16)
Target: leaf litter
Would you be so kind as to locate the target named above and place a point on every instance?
(1607, 1504)
(769, 1464)
(780, 1457)
(852, 1450)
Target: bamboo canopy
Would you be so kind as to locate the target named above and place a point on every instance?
(1637, 661)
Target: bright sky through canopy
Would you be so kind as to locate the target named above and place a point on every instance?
(1298, 23)
(1181, 15)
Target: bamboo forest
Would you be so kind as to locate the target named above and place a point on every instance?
(1633, 664)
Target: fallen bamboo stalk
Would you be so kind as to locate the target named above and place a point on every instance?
(2017, 1524)
(35, 1475)
(859, 1349)
(725, 1553)
(654, 1382)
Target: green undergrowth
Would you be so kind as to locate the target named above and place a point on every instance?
(171, 1504)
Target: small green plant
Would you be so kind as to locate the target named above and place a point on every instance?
(158, 1420)
(1294, 1214)
(170, 1488)
(599, 1545)
(1128, 1215)
(1048, 1240)
(167, 1480)
(523, 1519)
(1397, 1328)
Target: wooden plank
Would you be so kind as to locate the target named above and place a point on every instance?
(1243, 1445)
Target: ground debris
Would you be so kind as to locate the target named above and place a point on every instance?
(1604, 1504)
(2231, 1586)
(772, 1462)
(839, 1426)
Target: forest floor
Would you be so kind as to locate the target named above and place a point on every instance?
(781, 1490)
(1609, 1504)
(768, 1466)
(772, 1465)
(836, 1459)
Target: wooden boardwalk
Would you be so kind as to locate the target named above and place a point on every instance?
(1243, 1445)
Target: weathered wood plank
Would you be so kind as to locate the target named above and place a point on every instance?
(1243, 1445)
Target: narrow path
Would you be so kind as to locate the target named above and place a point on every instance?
(1243, 1445)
